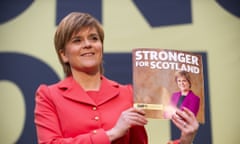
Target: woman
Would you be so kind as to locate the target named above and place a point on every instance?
(185, 97)
(86, 107)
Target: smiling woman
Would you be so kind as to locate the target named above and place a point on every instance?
(185, 97)
(86, 107)
(79, 109)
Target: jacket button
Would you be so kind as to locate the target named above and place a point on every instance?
(94, 131)
(94, 108)
(96, 118)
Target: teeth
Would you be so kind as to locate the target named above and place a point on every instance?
(88, 54)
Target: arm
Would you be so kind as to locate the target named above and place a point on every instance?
(196, 105)
(130, 120)
(49, 128)
(192, 102)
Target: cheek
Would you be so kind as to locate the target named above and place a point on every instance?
(99, 49)
(72, 52)
(99, 46)
(100, 57)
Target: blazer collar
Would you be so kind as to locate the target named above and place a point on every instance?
(72, 90)
(189, 93)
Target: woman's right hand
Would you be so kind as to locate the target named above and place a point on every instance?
(128, 118)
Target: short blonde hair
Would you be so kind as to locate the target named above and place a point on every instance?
(184, 74)
(70, 25)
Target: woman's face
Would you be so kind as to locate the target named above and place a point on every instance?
(84, 51)
(183, 83)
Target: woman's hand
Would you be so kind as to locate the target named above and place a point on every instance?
(186, 121)
(130, 117)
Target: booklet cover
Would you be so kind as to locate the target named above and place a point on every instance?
(165, 80)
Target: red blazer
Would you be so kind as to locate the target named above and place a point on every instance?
(66, 114)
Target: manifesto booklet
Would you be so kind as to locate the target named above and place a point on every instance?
(165, 80)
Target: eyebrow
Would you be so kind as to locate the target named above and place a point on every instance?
(91, 34)
(75, 37)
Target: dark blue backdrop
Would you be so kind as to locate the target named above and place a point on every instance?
(28, 72)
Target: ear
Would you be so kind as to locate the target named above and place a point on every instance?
(63, 56)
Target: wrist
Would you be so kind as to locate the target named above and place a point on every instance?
(181, 141)
(114, 134)
(111, 135)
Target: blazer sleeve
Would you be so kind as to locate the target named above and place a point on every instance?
(196, 105)
(49, 129)
(192, 102)
(138, 135)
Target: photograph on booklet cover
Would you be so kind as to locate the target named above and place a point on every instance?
(165, 80)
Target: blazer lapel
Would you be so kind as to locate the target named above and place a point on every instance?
(108, 90)
(71, 90)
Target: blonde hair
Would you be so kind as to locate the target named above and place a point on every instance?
(184, 74)
(70, 25)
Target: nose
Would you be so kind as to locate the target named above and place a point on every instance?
(182, 82)
(87, 44)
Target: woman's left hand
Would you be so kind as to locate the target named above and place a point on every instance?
(186, 121)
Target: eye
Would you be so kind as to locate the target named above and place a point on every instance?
(75, 40)
(94, 37)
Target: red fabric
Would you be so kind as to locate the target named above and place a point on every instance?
(176, 142)
(66, 114)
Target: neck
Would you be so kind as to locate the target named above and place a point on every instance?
(88, 81)
(185, 92)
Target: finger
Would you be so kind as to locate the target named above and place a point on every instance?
(179, 122)
(181, 115)
(132, 117)
(139, 118)
(139, 122)
(137, 110)
(186, 121)
(190, 118)
(186, 115)
(188, 112)
(134, 112)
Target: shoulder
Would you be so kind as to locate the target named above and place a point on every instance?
(116, 84)
(47, 89)
(176, 94)
(193, 96)
(65, 83)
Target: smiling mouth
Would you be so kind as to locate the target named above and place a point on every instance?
(88, 54)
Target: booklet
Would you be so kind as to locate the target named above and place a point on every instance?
(165, 80)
